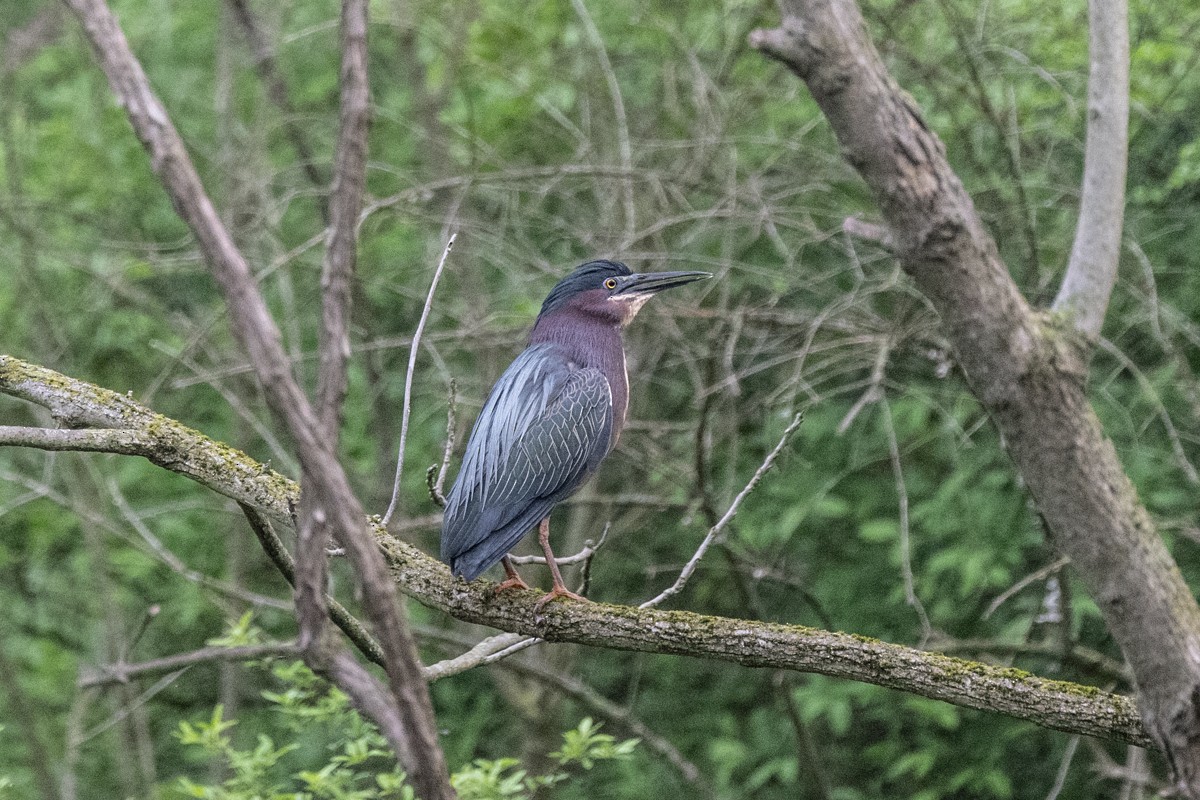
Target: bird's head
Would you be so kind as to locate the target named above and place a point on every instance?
(609, 290)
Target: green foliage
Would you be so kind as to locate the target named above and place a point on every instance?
(344, 757)
(503, 778)
(355, 762)
(498, 119)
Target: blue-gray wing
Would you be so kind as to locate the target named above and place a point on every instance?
(544, 429)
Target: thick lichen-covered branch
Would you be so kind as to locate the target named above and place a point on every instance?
(1055, 704)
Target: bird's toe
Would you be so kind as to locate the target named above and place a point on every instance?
(555, 594)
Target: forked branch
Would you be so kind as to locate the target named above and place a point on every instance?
(1027, 368)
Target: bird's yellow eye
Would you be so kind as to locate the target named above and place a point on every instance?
(610, 283)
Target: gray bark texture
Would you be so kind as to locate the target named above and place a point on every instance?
(1028, 368)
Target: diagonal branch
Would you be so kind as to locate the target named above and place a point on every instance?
(327, 488)
(763, 468)
(1092, 269)
(1028, 369)
(1054, 704)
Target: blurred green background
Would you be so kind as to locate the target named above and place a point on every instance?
(547, 133)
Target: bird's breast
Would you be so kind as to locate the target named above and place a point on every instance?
(618, 384)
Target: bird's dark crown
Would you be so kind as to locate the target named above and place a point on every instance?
(583, 278)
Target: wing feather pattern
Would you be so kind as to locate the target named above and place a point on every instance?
(545, 427)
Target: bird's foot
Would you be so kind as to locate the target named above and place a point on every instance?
(514, 582)
(554, 594)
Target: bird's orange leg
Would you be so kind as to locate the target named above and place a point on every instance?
(513, 579)
(560, 589)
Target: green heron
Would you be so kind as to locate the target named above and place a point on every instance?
(549, 421)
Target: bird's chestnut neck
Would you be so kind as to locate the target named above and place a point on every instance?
(589, 331)
(590, 340)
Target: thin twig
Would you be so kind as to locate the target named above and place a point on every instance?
(124, 673)
(151, 614)
(874, 390)
(910, 591)
(622, 126)
(1189, 470)
(715, 530)
(476, 656)
(512, 649)
(1033, 577)
(448, 450)
(589, 550)
(1060, 778)
(131, 706)
(408, 377)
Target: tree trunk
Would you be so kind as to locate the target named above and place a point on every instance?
(1028, 368)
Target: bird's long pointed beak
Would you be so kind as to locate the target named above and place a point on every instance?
(645, 283)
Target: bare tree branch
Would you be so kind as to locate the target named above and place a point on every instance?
(1092, 269)
(760, 644)
(406, 411)
(1054, 704)
(717, 528)
(1027, 369)
(124, 673)
(326, 484)
(345, 204)
(282, 559)
(320, 649)
(267, 67)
